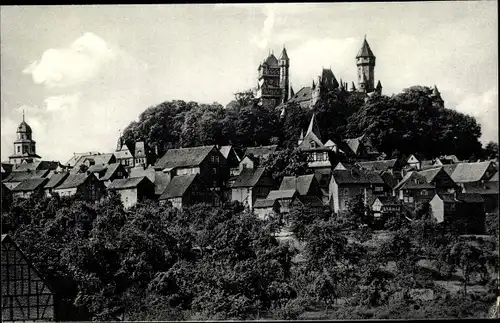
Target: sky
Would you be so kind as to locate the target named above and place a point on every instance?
(83, 73)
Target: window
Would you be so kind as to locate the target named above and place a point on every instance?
(313, 144)
(423, 192)
(379, 189)
(244, 166)
(410, 199)
(18, 149)
(214, 170)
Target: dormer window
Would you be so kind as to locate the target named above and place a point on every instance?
(313, 144)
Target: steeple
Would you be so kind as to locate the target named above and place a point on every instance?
(379, 87)
(284, 55)
(313, 127)
(365, 50)
(365, 62)
(353, 87)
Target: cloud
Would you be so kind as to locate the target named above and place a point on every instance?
(64, 67)
(484, 107)
(263, 38)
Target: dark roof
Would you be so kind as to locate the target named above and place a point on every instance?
(98, 159)
(449, 168)
(148, 172)
(365, 50)
(488, 187)
(389, 179)
(127, 182)
(30, 185)
(263, 203)
(284, 54)
(110, 170)
(388, 200)
(183, 157)
(312, 201)
(178, 186)
(74, 180)
(378, 165)
(447, 198)
(248, 177)
(97, 168)
(470, 197)
(161, 181)
(261, 150)
(304, 94)
(44, 164)
(408, 183)
(272, 61)
(301, 184)
(430, 173)
(469, 172)
(281, 194)
(357, 176)
(20, 176)
(76, 156)
(7, 168)
(56, 179)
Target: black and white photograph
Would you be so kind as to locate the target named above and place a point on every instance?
(249, 161)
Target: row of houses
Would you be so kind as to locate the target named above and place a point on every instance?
(215, 174)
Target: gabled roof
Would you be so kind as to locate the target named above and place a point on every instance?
(354, 143)
(184, 157)
(378, 165)
(178, 186)
(309, 201)
(486, 188)
(469, 172)
(281, 194)
(76, 157)
(389, 179)
(494, 178)
(110, 170)
(20, 176)
(30, 185)
(40, 165)
(304, 94)
(140, 172)
(127, 182)
(264, 203)
(357, 176)
(470, 197)
(97, 159)
(430, 173)
(301, 184)
(261, 150)
(449, 169)
(365, 50)
(408, 183)
(161, 181)
(248, 177)
(97, 168)
(56, 179)
(225, 150)
(330, 143)
(305, 144)
(73, 180)
(446, 198)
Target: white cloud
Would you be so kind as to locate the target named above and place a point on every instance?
(64, 67)
(484, 107)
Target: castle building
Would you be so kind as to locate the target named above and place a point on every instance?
(365, 62)
(24, 146)
(273, 86)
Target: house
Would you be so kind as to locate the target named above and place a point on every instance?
(76, 156)
(380, 166)
(250, 185)
(207, 161)
(28, 187)
(305, 185)
(112, 172)
(84, 185)
(158, 178)
(261, 152)
(349, 182)
(411, 163)
(488, 190)
(54, 181)
(123, 154)
(187, 190)
(308, 201)
(265, 209)
(133, 190)
(361, 148)
(232, 158)
(17, 177)
(464, 210)
(466, 173)
(140, 154)
(284, 197)
(26, 296)
(414, 188)
(318, 156)
(84, 162)
(383, 207)
(249, 162)
(440, 179)
(390, 179)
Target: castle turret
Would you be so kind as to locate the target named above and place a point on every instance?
(269, 93)
(378, 88)
(365, 62)
(284, 64)
(437, 101)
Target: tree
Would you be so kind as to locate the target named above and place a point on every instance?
(490, 151)
(288, 162)
(244, 98)
(469, 258)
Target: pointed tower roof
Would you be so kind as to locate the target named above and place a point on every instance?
(292, 92)
(284, 55)
(24, 127)
(272, 61)
(365, 50)
(353, 87)
(379, 85)
(313, 127)
(435, 91)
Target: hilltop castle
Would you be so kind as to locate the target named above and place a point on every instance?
(274, 89)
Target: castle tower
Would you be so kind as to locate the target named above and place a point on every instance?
(24, 146)
(284, 64)
(365, 61)
(269, 93)
(437, 101)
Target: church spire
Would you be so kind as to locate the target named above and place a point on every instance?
(313, 127)
(23, 115)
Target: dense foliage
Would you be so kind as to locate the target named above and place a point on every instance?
(408, 122)
(156, 263)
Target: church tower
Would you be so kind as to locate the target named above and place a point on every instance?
(284, 64)
(24, 146)
(365, 61)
